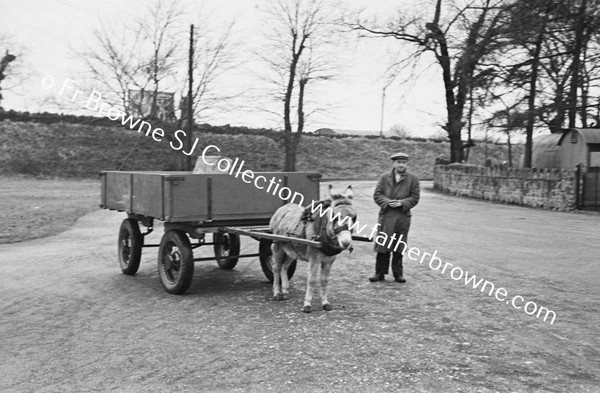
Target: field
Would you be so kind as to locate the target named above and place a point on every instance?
(33, 208)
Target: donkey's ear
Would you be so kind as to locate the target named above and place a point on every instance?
(334, 193)
(330, 191)
(349, 192)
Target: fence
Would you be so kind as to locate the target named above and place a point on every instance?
(589, 188)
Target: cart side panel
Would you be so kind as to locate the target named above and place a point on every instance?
(233, 198)
(117, 192)
(147, 188)
(183, 196)
(186, 197)
(306, 184)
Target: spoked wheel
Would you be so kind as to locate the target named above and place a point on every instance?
(266, 260)
(175, 262)
(226, 244)
(130, 246)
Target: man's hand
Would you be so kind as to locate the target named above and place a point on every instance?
(395, 203)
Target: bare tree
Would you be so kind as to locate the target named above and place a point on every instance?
(149, 53)
(112, 60)
(160, 28)
(140, 53)
(300, 38)
(459, 38)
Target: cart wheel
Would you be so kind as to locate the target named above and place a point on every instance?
(175, 262)
(226, 244)
(266, 260)
(130, 246)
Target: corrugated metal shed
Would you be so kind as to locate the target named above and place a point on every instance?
(566, 150)
(545, 151)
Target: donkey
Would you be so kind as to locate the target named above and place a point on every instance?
(332, 229)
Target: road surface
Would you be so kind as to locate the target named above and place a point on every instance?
(71, 322)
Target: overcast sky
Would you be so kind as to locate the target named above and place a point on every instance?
(47, 29)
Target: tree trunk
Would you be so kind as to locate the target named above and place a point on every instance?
(290, 156)
(557, 122)
(510, 160)
(531, 99)
(470, 122)
(290, 145)
(575, 65)
(454, 129)
(585, 89)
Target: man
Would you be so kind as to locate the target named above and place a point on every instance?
(396, 193)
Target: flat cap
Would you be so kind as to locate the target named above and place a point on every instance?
(399, 156)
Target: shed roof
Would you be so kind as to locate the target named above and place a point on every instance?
(548, 142)
(589, 135)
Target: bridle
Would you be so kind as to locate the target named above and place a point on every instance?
(326, 230)
(350, 213)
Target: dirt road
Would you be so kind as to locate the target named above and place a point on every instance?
(71, 322)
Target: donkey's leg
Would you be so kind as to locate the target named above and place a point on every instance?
(311, 282)
(325, 270)
(278, 257)
(285, 282)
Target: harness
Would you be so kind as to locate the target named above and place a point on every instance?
(329, 243)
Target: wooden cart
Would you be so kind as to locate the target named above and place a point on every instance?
(192, 206)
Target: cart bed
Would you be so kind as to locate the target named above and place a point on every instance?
(187, 197)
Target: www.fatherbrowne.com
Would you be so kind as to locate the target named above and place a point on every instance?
(94, 102)
(435, 263)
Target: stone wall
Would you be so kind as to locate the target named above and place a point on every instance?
(545, 188)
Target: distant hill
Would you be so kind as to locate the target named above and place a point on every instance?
(79, 150)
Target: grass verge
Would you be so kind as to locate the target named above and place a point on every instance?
(33, 208)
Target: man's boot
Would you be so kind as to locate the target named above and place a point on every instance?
(397, 267)
(382, 263)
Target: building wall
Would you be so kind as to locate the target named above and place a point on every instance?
(543, 188)
(572, 151)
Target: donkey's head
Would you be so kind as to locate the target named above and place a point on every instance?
(344, 216)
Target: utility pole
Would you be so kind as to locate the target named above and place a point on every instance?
(190, 125)
(382, 106)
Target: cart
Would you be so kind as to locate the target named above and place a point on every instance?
(193, 206)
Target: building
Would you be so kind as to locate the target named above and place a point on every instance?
(544, 151)
(580, 146)
(568, 149)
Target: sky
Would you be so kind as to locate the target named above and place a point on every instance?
(49, 31)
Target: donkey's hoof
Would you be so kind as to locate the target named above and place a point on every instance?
(327, 307)
(284, 296)
(278, 297)
(306, 309)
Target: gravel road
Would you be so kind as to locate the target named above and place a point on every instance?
(71, 322)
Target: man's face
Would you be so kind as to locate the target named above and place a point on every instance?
(400, 165)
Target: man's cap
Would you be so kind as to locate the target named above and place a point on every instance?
(399, 156)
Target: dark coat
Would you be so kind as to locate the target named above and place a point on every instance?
(395, 220)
